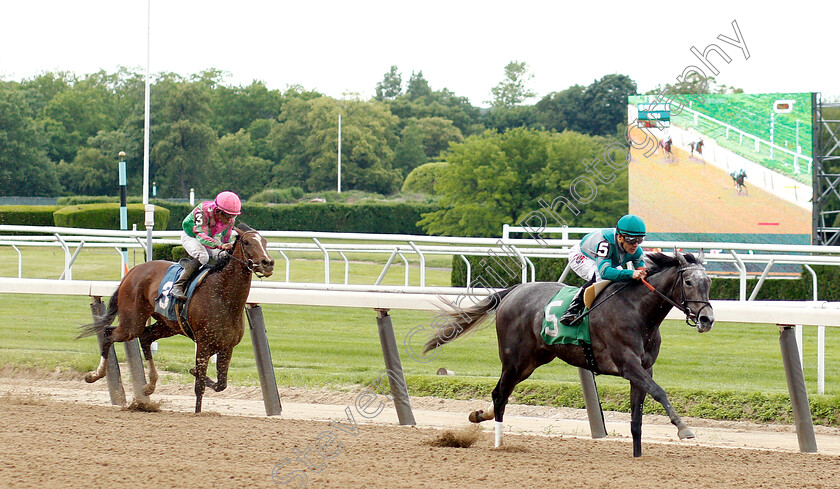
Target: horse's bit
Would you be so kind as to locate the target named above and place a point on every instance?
(250, 264)
(690, 317)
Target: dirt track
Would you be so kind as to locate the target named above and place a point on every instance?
(682, 194)
(72, 438)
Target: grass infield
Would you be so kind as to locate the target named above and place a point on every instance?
(734, 372)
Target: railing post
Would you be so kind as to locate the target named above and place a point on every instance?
(593, 404)
(796, 388)
(262, 356)
(396, 379)
(112, 367)
(326, 260)
(135, 367)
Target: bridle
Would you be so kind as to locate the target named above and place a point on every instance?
(690, 317)
(249, 264)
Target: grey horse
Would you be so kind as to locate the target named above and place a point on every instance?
(624, 330)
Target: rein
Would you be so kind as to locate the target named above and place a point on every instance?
(250, 264)
(690, 317)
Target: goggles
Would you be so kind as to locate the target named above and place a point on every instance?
(224, 214)
(633, 240)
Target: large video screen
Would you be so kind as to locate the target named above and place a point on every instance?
(723, 167)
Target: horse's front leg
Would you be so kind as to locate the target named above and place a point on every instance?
(637, 406)
(642, 380)
(200, 372)
(222, 364)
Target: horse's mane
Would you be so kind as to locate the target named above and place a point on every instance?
(242, 228)
(660, 261)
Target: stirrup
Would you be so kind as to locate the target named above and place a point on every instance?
(182, 297)
(576, 320)
(569, 319)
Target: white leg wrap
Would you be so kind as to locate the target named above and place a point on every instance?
(489, 413)
(499, 428)
(102, 368)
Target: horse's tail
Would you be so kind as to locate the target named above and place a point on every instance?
(101, 322)
(461, 321)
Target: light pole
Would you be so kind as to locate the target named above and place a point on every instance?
(149, 209)
(339, 153)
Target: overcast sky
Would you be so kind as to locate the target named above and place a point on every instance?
(338, 47)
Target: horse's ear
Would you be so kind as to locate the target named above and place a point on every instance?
(700, 257)
(680, 257)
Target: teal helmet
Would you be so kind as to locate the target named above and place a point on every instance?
(631, 225)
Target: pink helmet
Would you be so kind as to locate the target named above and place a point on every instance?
(229, 203)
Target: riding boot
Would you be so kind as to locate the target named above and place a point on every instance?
(572, 315)
(178, 289)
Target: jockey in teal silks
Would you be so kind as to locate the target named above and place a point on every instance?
(207, 231)
(601, 255)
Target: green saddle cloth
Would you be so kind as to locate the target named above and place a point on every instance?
(553, 331)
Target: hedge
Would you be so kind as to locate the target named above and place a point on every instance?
(106, 216)
(28, 215)
(380, 218)
(375, 217)
(503, 271)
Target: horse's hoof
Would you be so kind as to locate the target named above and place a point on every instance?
(148, 389)
(90, 377)
(475, 416)
(685, 433)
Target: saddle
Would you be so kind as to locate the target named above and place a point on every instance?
(591, 292)
(554, 332)
(170, 308)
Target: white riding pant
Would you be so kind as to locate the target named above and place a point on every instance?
(583, 266)
(197, 250)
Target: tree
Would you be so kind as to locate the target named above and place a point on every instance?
(94, 170)
(235, 108)
(503, 118)
(286, 145)
(368, 137)
(90, 173)
(422, 180)
(418, 87)
(235, 169)
(605, 101)
(512, 90)
(564, 110)
(487, 182)
(694, 84)
(391, 85)
(437, 133)
(422, 140)
(498, 178)
(42, 88)
(25, 169)
(77, 113)
(410, 152)
(184, 139)
(305, 144)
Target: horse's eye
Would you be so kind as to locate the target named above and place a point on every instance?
(689, 283)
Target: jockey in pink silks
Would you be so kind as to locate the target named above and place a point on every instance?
(207, 231)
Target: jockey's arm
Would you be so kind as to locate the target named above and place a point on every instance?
(609, 272)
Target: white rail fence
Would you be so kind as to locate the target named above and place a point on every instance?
(424, 297)
(757, 141)
(420, 296)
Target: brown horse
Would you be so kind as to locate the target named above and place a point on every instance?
(215, 311)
